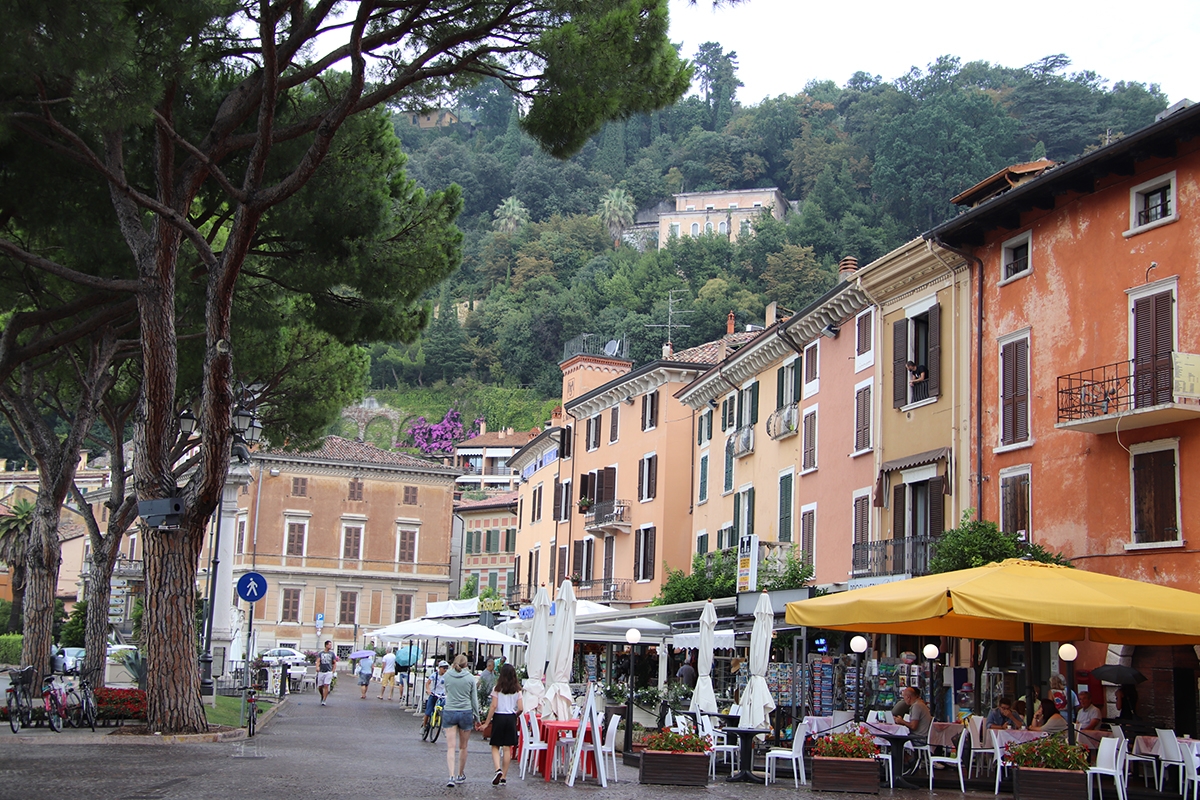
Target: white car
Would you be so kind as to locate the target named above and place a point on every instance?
(115, 650)
(285, 655)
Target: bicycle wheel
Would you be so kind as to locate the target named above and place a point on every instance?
(435, 729)
(26, 707)
(251, 719)
(50, 705)
(425, 726)
(89, 712)
(74, 711)
(14, 712)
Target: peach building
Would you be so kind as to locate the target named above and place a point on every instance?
(726, 213)
(484, 458)
(489, 540)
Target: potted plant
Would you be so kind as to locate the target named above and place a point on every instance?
(1048, 769)
(585, 504)
(676, 759)
(845, 762)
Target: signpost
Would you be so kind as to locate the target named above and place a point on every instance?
(747, 568)
(251, 587)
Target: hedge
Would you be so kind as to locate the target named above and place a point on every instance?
(10, 648)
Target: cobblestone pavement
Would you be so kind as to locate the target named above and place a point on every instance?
(351, 748)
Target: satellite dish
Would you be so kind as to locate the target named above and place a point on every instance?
(612, 347)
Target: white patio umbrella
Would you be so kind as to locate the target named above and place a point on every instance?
(704, 699)
(757, 703)
(557, 702)
(535, 657)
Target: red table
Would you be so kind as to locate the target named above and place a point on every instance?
(551, 731)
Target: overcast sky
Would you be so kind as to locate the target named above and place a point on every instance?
(782, 44)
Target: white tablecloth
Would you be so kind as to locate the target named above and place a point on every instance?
(1007, 737)
(1148, 745)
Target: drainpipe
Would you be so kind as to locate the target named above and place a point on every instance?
(877, 411)
(978, 377)
(955, 429)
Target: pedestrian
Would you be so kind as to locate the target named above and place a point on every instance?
(365, 665)
(502, 714)
(387, 678)
(326, 662)
(462, 712)
(435, 689)
(487, 681)
(687, 674)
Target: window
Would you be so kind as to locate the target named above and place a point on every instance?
(241, 536)
(352, 542)
(1153, 344)
(649, 410)
(809, 459)
(674, 230)
(510, 540)
(702, 542)
(410, 495)
(648, 478)
(703, 479)
(290, 606)
(864, 340)
(493, 540)
(1014, 501)
(808, 534)
(747, 406)
(725, 537)
(614, 423)
(296, 533)
(812, 375)
(785, 507)
(1014, 389)
(583, 559)
(862, 417)
(722, 227)
(1156, 492)
(744, 228)
(729, 413)
(1152, 204)
(704, 428)
(787, 384)
(709, 207)
(917, 338)
(743, 514)
(592, 440)
(133, 547)
(1015, 258)
(406, 546)
(535, 504)
(643, 555)
(562, 500)
(348, 608)
(918, 509)
(561, 571)
(708, 227)
(695, 229)
(299, 487)
(355, 491)
(493, 580)
(403, 607)
(728, 485)
(862, 530)
(566, 440)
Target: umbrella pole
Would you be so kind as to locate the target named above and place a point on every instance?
(1029, 689)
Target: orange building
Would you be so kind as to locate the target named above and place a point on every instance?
(489, 540)
(1085, 423)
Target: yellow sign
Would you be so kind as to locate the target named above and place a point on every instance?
(491, 604)
(1187, 375)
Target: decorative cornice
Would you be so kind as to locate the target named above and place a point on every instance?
(634, 385)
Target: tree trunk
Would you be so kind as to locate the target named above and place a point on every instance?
(99, 591)
(42, 559)
(169, 630)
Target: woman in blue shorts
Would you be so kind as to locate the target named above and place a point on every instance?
(461, 711)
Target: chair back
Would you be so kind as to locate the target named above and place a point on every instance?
(532, 734)
(975, 727)
(704, 725)
(735, 709)
(610, 734)
(798, 743)
(1168, 745)
(1108, 754)
(962, 740)
(1189, 764)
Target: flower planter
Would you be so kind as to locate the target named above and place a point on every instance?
(1034, 783)
(846, 775)
(673, 769)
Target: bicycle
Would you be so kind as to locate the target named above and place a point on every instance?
(431, 729)
(252, 712)
(54, 701)
(20, 701)
(81, 705)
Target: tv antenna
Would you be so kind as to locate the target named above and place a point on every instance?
(671, 312)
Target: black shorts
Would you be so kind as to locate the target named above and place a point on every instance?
(504, 730)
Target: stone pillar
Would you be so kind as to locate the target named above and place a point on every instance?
(223, 586)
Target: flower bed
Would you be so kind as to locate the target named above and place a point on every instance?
(120, 704)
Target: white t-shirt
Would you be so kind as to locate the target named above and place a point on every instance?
(389, 663)
(506, 703)
(1086, 716)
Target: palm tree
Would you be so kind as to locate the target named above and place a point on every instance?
(14, 539)
(510, 215)
(617, 212)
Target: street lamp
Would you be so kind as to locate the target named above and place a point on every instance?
(859, 645)
(632, 636)
(1068, 653)
(931, 653)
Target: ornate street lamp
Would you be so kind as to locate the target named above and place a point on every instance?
(1068, 653)
(632, 636)
(931, 654)
(859, 645)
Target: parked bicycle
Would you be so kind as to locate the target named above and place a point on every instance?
(81, 705)
(432, 728)
(20, 700)
(54, 701)
(251, 709)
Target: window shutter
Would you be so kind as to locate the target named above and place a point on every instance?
(585, 486)
(709, 423)
(737, 516)
(530, 576)
(754, 403)
(937, 505)
(610, 483)
(596, 432)
(516, 574)
(610, 548)
(703, 495)
(1021, 395)
(565, 441)
(1153, 326)
(642, 479)
(653, 478)
(864, 334)
(614, 424)
(1014, 392)
(780, 377)
(862, 524)
(577, 563)
(637, 555)
(558, 500)
(810, 363)
(810, 441)
(808, 525)
(510, 537)
(785, 508)
(728, 465)
(899, 526)
(653, 409)
(724, 414)
(899, 358)
(797, 380)
(700, 431)
(862, 419)
(648, 567)
(702, 543)
(750, 511)
(740, 410)
(935, 351)
(562, 564)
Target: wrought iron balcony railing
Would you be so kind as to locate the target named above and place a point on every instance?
(608, 513)
(886, 557)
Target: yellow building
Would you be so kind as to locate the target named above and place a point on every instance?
(726, 213)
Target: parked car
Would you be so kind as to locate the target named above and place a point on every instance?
(67, 660)
(285, 655)
(115, 650)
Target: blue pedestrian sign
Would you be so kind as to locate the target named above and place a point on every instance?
(251, 587)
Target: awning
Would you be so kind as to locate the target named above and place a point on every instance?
(908, 462)
(722, 640)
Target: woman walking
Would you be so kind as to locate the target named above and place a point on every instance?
(506, 705)
(461, 711)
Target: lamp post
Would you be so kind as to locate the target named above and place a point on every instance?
(632, 636)
(859, 645)
(1068, 653)
(931, 653)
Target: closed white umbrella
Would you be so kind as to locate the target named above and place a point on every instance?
(757, 703)
(557, 702)
(535, 656)
(704, 699)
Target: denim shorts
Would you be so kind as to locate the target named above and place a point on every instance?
(465, 720)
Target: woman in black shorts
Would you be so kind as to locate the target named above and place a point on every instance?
(502, 714)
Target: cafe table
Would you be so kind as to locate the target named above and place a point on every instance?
(1007, 736)
(746, 755)
(552, 731)
(896, 741)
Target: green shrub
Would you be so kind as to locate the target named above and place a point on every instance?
(10, 648)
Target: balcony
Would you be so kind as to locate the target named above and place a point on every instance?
(123, 569)
(608, 516)
(784, 422)
(518, 594)
(475, 469)
(1127, 395)
(906, 557)
(604, 591)
(743, 441)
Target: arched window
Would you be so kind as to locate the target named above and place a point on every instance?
(722, 228)
(695, 229)
(708, 227)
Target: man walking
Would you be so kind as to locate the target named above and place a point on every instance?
(326, 662)
(388, 676)
(366, 665)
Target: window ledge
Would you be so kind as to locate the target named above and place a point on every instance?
(808, 471)
(702, 502)
(858, 453)
(1008, 448)
(865, 361)
(1014, 278)
(643, 580)
(920, 403)
(1149, 226)
(1154, 545)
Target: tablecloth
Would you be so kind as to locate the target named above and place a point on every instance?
(1148, 745)
(552, 730)
(1007, 737)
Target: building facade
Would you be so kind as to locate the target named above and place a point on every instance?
(489, 541)
(725, 213)
(483, 460)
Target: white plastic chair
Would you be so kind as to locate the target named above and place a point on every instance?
(956, 760)
(1129, 757)
(1190, 774)
(719, 744)
(1169, 755)
(609, 747)
(1108, 762)
(533, 741)
(842, 720)
(795, 754)
(885, 758)
(981, 751)
(1001, 759)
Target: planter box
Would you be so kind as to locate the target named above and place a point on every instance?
(1033, 783)
(846, 775)
(673, 769)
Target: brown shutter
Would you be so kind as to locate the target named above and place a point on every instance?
(642, 465)
(653, 409)
(596, 432)
(585, 486)
(637, 555)
(810, 363)
(863, 343)
(609, 552)
(862, 419)
(562, 564)
(808, 524)
(1014, 392)
(577, 556)
(614, 423)
(934, 365)
(565, 441)
(1153, 326)
(937, 505)
(861, 521)
(649, 567)
(558, 506)
(610, 483)
(899, 358)
(898, 516)
(653, 478)
(810, 441)
(1021, 394)
(645, 410)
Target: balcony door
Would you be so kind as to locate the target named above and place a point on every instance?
(1153, 341)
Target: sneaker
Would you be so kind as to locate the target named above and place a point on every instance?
(504, 782)
(451, 784)
(499, 777)
(322, 702)
(462, 778)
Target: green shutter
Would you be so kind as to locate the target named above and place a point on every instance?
(750, 511)
(780, 377)
(754, 403)
(785, 508)
(737, 516)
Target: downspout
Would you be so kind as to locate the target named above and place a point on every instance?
(978, 377)
(877, 388)
(950, 465)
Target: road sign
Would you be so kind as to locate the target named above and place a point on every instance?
(251, 587)
(320, 622)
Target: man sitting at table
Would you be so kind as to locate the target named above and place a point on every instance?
(919, 719)
(1087, 716)
(1003, 716)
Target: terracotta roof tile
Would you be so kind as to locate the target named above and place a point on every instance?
(505, 499)
(710, 352)
(497, 439)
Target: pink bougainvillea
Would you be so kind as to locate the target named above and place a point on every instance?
(439, 438)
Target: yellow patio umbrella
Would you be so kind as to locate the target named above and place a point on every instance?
(997, 601)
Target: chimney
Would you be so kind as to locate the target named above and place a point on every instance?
(730, 324)
(483, 426)
(847, 267)
(83, 458)
(772, 312)
(668, 350)
(500, 434)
